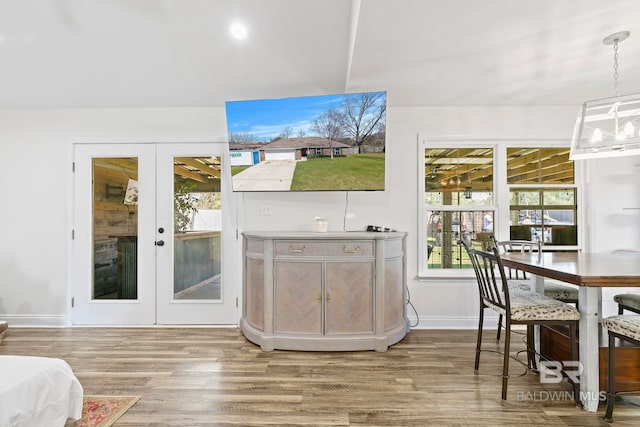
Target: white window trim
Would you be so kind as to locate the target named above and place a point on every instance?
(500, 194)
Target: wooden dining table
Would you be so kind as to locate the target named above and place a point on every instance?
(591, 272)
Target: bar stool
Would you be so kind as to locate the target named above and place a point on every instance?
(629, 302)
(627, 328)
(518, 308)
(518, 280)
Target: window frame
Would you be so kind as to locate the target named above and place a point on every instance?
(423, 272)
(501, 191)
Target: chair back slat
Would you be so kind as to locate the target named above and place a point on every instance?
(522, 246)
(490, 275)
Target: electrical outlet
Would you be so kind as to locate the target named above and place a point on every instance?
(265, 210)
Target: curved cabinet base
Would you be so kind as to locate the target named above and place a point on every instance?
(323, 342)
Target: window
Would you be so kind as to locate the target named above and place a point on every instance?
(446, 228)
(542, 197)
(457, 203)
(463, 187)
(548, 215)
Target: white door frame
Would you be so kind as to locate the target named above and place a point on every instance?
(232, 272)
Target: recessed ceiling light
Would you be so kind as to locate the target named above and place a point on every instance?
(238, 30)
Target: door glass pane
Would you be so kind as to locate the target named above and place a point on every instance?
(115, 228)
(197, 226)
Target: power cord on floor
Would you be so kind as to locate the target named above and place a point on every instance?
(409, 303)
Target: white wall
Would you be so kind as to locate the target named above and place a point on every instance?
(613, 184)
(35, 176)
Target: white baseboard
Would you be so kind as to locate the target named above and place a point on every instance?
(34, 321)
(425, 322)
(429, 322)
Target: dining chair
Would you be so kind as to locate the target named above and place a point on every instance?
(518, 280)
(517, 308)
(629, 302)
(626, 328)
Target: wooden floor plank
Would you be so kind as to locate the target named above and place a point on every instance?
(207, 377)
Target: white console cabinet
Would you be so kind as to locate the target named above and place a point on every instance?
(324, 291)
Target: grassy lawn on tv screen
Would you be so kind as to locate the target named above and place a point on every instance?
(352, 172)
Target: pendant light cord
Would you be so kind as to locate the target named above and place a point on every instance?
(615, 68)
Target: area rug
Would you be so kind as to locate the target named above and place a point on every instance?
(103, 411)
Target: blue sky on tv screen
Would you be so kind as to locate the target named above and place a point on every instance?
(265, 119)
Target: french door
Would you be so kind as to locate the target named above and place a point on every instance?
(153, 240)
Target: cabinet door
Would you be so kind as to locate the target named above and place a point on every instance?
(254, 292)
(394, 299)
(349, 297)
(298, 297)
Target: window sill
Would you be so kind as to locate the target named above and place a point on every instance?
(449, 276)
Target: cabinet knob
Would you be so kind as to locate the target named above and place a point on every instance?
(328, 297)
(319, 296)
(297, 250)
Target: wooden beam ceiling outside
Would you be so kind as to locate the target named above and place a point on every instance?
(473, 167)
(122, 165)
(206, 167)
(199, 169)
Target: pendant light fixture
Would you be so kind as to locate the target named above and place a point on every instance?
(608, 127)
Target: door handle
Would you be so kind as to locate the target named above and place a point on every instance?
(159, 243)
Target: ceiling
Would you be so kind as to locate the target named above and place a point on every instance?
(178, 53)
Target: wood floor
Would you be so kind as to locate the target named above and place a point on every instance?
(207, 377)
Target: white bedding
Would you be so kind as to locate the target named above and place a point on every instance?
(38, 391)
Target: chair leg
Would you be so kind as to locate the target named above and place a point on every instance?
(611, 387)
(479, 342)
(531, 352)
(573, 332)
(499, 327)
(505, 364)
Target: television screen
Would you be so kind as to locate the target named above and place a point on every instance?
(311, 143)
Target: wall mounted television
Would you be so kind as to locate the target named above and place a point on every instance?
(312, 143)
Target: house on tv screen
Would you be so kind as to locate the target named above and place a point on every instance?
(247, 154)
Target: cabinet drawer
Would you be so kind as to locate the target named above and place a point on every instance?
(255, 246)
(345, 248)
